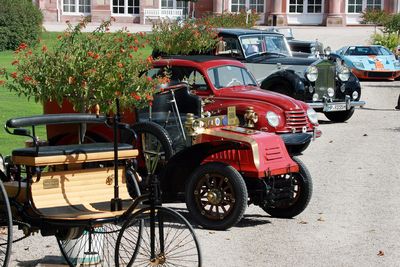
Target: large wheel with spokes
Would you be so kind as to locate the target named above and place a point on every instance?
(152, 140)
(5, 227)
(216, 196)
(165, 239)
(92, 246)
(301, 194)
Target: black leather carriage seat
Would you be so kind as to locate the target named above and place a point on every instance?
(163, 107)
(45, 151)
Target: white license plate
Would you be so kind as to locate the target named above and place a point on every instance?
(334, 107)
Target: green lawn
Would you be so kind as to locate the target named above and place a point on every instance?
(13, 106)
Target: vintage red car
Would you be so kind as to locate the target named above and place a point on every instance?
(226, 82)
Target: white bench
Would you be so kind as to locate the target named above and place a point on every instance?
(161, 13)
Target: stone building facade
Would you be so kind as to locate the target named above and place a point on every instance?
(272, 12)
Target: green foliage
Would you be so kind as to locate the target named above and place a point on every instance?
(174, 38)
(374, 16)
(392, 25)
(88, 69)
(20, 22)
(388, 40)
(231, 20)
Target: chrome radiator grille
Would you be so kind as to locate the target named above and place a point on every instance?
(326, 77)
(295, 119)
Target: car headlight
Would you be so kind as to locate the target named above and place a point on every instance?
(396, 64)
(358, 65)
(354, 95)
(315, 97)
(343, 73)
(331, 92)
(272, 118)
(312, 73)
(312, 116)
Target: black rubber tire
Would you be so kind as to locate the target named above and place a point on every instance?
(340, 116)
(6, 225)
(181, 245)
(301, 201)
(153, 131)
(223, 183)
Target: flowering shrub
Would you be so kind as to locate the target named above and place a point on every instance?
(174, 38)
(88, 69)
(231, 20)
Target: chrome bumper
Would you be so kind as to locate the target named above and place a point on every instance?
(349, 104)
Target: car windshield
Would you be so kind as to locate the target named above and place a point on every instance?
(227, 76)
(264, 44)
(367, 51)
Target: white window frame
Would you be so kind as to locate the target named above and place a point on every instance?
(305, 8)
(77, 5)
(247, 5)
(125, 14)
(174, 4)
(363, 7)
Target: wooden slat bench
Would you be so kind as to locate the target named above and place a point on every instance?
(71, 194)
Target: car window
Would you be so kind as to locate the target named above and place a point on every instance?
(367, 51)
(254, 44)
(179, 74)
(228, 76)
(229, 46)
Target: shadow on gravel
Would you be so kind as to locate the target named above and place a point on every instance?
(378, 109)
(253, 220)
(48, 261)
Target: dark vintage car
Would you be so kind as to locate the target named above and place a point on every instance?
(301, 48)
(225, 82)
(324, 84)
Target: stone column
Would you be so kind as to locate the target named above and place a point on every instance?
(276, 16)
(217, 6)
(335, 17)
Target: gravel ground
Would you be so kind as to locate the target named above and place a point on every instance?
(353, 215)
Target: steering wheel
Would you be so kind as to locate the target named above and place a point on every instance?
(234, 82)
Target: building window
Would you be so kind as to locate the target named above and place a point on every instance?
(257, 5)
(296, 6)
(125, 7)
(243, 5)
(76, 6)
(167, 4)
(357, 6)
(314, 6)
(354, 6)
(238, 5)
(374, 4)
(183, 5)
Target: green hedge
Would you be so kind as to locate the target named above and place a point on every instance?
(20, 22)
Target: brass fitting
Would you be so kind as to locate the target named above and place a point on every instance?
(250, 118)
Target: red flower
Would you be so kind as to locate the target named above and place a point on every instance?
(90, 54)
(120, 65)
(117, 93)
(135, 48)
(15, 62)
(149, 97)
(44, 48)
(135, 96)
(96, 56)
(59, 37)
(150, 59)
(22, 46)
(27, 78)
(14, 75)
(136, 41)
(149, 79)
(130, 56)
(2, 82)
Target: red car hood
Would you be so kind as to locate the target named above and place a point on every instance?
(245, 93)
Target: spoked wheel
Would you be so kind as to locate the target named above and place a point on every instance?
(5, 227)
(216, 196)
(301, 190)
(152, 140)
(169, 242)
(94, 246)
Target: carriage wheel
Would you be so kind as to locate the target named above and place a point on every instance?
(94, 247)
(175, 243)
(5, 227)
